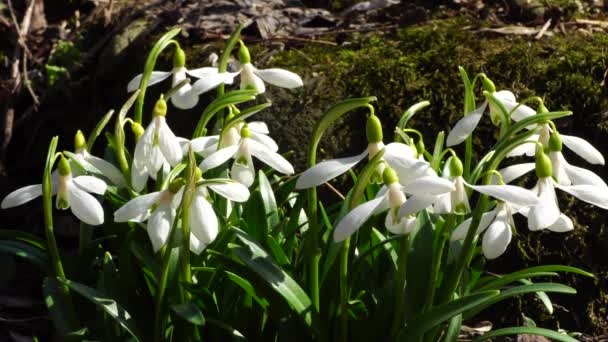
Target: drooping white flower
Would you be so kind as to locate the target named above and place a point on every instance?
(251, 77)
(185, 97)
(95, 164)
(243, 169)
(158, 146)
(391, 196)
(72, 192)
(465, 126)
(400, 157)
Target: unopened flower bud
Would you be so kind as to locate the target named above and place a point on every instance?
(487, 84)
(373, 129)
(244, 56)
(64, 166)
(542, 109)
(456, 168)
(79, 141)
(160, 107)
(543, 164)
(179, 58)
(420, 148)
(555, 142)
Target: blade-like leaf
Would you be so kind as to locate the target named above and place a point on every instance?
(418, 263)
(108, 305)
(529, 273)
(98, 129)
(24, 250)
(189, 312)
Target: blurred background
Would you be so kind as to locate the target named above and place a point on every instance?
(65, 63)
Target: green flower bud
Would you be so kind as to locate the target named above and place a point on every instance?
(160, 108)
(64, 166)
(456, 168)
(137, 129)
(245, 131)
(543, 164)
(179, 58)
(373, 129)
(542, 109)
(420, 147)
(79, 141)
(488, 85)
(176, 184)
(389, 176)
(244, 56)
(555, 142)
(198, 174)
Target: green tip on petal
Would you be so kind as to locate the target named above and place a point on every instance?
(456, 168)
(244, 56)
(137, 129)
(64, 166)
(160, 108)
(543, 164)
(179, 58)
(373, 129)
(555, 142)
(62, 203)
(420, 148)
(79, 141)
(176, 184)
(488, 85)
(389, 176)
(198, 174)
(245, 131)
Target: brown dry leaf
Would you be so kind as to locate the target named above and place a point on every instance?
(516, 30)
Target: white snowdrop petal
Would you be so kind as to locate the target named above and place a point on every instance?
(236, 192)
(327, 170)
(243, 173)
(403, 226)
(354, 219)
(461, 231)
(108, 170)
(211, 81)
(84, 206)
(416, 203)
(597, 196)
(562, 225)
(251, 80)
(443, 204)
(409, 171)
(136, 210)
(510, 173)
(465, 126)
(185, 98)
(270, 158)
(397, 150)
(496, 239)
(203, 221)
(507, 193)
(583, 148)
(280, 78)
(546, 212)
(429, 186)
(219, 157)
(265, 140)
(196, 246)
(526, 149)
(169, 145)
(143, 149)
(505, 95)
(258, 126)
(580, 176)
(91, 184)
(21, 196)
(202, 72)
(155, 77)
(159, 225)
(201, 144)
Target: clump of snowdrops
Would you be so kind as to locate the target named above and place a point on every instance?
(215, 237)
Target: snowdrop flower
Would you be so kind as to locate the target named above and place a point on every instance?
(184, 98)
(547, 213)
(160, 210)
(465, 126)
(242, 169)
(90, 162)
(497, 223)
(155, 148)
(400, 157)
(390, 197)
(251, 77)
(72, 192)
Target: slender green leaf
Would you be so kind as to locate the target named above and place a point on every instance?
(98, 129)
(554, 335)
(24, 250)
(408, 114)
(439, 314)
(496, 283)
(260, 262)
(420, 257)
(58, 310)
(530, 273)
(25, 237)
(268, 201)
(108, 305)
(247, 287)
(229, 99)
(189, 312)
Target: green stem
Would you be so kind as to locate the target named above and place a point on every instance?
(399, 314)
(84, 237)
(442, 238)
(160, 294)
(313, 251)
(343, 327)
